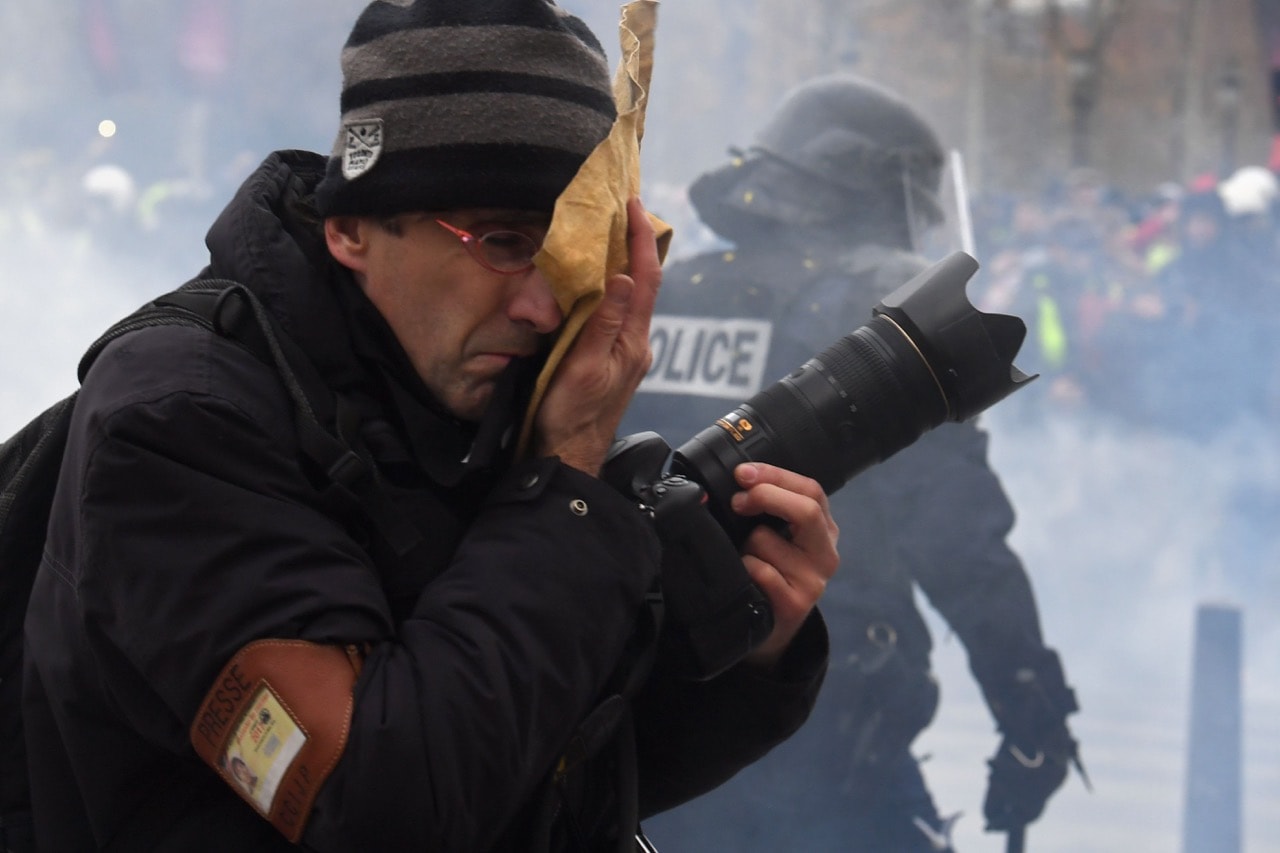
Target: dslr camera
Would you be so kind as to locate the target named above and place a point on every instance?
(927, 356)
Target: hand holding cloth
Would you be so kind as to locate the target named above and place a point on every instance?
(587, 240)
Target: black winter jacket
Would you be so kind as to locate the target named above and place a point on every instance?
(187, 524)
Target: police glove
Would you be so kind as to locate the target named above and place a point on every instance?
(1023, 776)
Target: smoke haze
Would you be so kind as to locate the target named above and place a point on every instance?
(1125, 527)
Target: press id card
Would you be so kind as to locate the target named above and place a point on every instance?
(263, 745)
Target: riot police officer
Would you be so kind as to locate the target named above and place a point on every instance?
(824, 215)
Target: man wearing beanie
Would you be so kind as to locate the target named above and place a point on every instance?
(242, 639)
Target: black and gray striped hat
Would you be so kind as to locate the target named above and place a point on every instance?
(449, 104)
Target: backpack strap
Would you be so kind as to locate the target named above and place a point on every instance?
(232, 310)
(194, 312)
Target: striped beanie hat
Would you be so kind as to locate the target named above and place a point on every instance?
(450, 104)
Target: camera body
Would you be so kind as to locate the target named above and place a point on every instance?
(713, 615)
(927, 356)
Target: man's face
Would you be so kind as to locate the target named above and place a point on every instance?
(460, 323)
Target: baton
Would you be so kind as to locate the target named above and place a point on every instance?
(961, 187)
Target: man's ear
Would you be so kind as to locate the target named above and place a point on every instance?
(347, 238)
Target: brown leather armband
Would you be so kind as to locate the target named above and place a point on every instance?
(275, 723)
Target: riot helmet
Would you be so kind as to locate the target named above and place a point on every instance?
(838, 151)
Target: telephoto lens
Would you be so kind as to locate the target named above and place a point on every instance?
(927, 356)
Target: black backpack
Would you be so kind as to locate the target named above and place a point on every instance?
(30, 461)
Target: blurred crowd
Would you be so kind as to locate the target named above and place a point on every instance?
(93, 209)
(1161, 310)
(1155, 307)
(129, 123)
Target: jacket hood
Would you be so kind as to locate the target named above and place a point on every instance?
(269, 239)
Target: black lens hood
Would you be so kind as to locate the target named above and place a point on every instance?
(969, 352)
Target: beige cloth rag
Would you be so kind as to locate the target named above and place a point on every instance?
(587, 240)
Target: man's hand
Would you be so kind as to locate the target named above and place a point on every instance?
(595, 382)
(792, 570)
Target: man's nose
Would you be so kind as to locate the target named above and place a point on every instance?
(531, 301)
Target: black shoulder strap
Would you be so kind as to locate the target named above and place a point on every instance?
(230, 309)
(154, 313)
(234, 311)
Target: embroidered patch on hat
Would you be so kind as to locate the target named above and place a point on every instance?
(363, 147)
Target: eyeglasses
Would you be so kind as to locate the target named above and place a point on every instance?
(503, 252)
